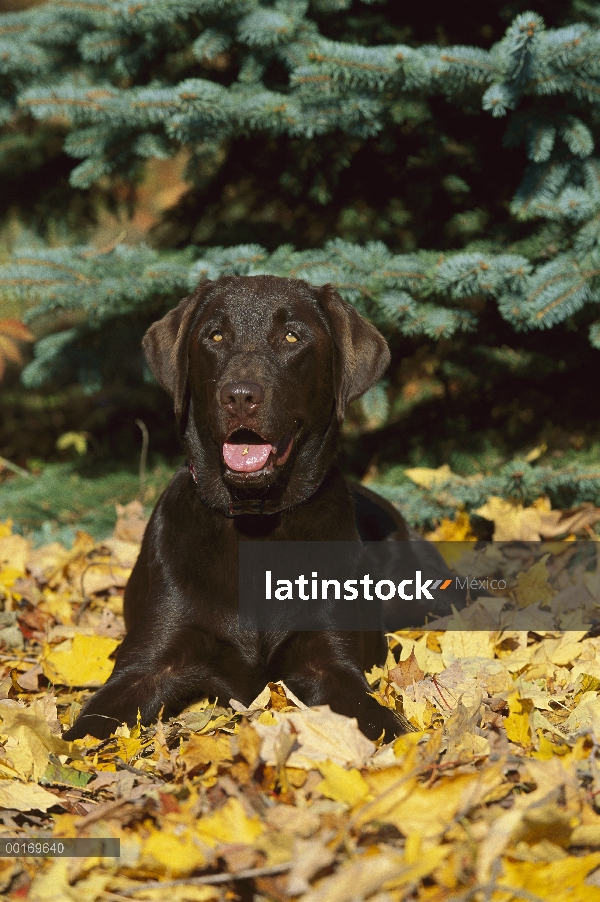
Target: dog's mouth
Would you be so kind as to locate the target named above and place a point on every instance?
(246, 451)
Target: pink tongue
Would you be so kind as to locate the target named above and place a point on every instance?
(246, 458)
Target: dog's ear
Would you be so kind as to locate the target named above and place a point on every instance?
(361, 354)
(165, 346)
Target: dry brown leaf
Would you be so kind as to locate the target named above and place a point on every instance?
(308, 858)
(301, 821)
(406, 672)
(358, 879)
(513, 522)
(321, 735)
(131, 522)
(533, 586)
(101, 576)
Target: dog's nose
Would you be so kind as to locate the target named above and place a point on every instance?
(242, 397)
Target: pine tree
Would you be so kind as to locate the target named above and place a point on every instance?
(450, 192)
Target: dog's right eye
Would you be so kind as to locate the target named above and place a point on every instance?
(216, 335)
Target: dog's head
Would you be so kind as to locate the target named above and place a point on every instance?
(261, 370)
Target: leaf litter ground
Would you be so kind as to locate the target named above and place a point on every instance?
(494, 796)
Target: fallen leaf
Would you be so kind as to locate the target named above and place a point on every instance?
(200, 750)
(556, 881)
(14, 554)
(513, 522)
(457, 530)
(517, 724)
(358, 879)
(229, 824)
(428, 660)
(25, 796)
(301, 821)
(175, 852)
(30, 741)
(406, 672)
(321, 735)
(131, 523)
(249, 743)
(60, 775)
(341, 784)
(84, 663)
(465, 644)
(429, 810)
(308, 858)
(427, 477)
(533, 586)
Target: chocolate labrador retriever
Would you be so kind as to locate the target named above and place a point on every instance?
(260, 369)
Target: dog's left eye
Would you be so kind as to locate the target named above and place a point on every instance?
(291, 337)
(216, 335)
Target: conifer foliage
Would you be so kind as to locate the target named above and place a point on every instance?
(317, 85)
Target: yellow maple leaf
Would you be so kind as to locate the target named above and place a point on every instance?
(390, 787)
(104, 765)
(229, 824)
(175, 853)
(554, 881)
(428, 810)
(406, 742)
(129, 747)
(533, 586)
(546, 750)
(85, 663)
(25, 796)
(9, 576)
(512, 521)
(52, 884)
(466, 644)
(5, 528)
(341, 784)
(58, 604)
(417, 870)
(30, 740)
(457, 530)
(428, 477)
(14, 552)
(201, 750)
(417, 712)
(517, 724)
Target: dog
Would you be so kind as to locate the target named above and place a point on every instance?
(260, 370)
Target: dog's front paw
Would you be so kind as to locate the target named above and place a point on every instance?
(95, 724)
